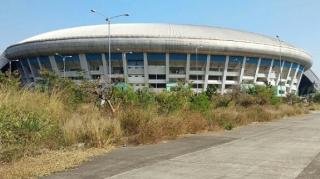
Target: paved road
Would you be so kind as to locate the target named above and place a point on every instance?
(288, 148)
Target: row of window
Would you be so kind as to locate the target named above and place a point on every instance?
(177, 64)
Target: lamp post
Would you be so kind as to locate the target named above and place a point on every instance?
(108, 21)
(197, 64)
(64, 63)
(280, 59)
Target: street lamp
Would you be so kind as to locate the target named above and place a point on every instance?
(108, 21)
(197, 64)
(280, 59)
(64, 63)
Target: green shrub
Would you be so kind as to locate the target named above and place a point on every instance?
(20, 130)
(200, 102)
(211, 91)
(316, 98)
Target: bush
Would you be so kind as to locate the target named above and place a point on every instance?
(200, 102)
(316, 98)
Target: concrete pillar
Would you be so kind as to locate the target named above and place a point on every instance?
(145, 67)
(225, 71)
(25, 74)
(299, 80)
(294, 77)
(40, 65)
(31, 69)
(125, 68)
(54, 65)
(270, 70)
(104, 65)
(242, 70)
(188, 68)
(288, 75)
(84, 66)
(167, 68)
(257, 71)
(206, 76)
(281, 69)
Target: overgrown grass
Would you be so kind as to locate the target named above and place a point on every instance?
(58, 114)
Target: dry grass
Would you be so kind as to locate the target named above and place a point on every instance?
(48, 162)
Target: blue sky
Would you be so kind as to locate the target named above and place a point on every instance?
(295, 21)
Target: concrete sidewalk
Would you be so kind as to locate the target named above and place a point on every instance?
(287, 148)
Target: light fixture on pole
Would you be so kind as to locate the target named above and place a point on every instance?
(197, 64)
(280, 59)
(108, 21)
(64, 63)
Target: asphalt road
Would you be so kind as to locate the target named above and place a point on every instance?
(289, 148)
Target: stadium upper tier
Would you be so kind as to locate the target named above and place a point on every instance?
(156, 38)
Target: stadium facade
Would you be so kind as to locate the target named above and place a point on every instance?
(160, 55)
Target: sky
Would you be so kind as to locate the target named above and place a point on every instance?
(295, 21)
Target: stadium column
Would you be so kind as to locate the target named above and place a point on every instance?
(270, 70)
(104, 65)
(288, 75)
(257, 71)
(225, 71)
(294, 78)
(32, 70)
(125, 68)
(206, 75)
(38, 60)
(280, 74)
(299, 80)
(242, 69)
(167, 68)
(54, 65)
(84, 66)
(188, 68)
(145, 67)
(25, 74)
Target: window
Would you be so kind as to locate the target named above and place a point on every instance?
(156, 59)
(178, 62)
(45, 63)
(34, 65)
(285, 69)
(116, 63)
(293, 70)
(26, 66)
(217, 63)
(94, 61)
(196, 77)
(235, 63)
(276, 67)
(250, 66)
(265, 64)
(135, 59)
(215, 78)
(198, 62)
(72, 63)
(157, 77)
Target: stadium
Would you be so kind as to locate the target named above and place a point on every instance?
(159, 56)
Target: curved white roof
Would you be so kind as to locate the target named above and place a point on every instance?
(157, 30)
(156, 37)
